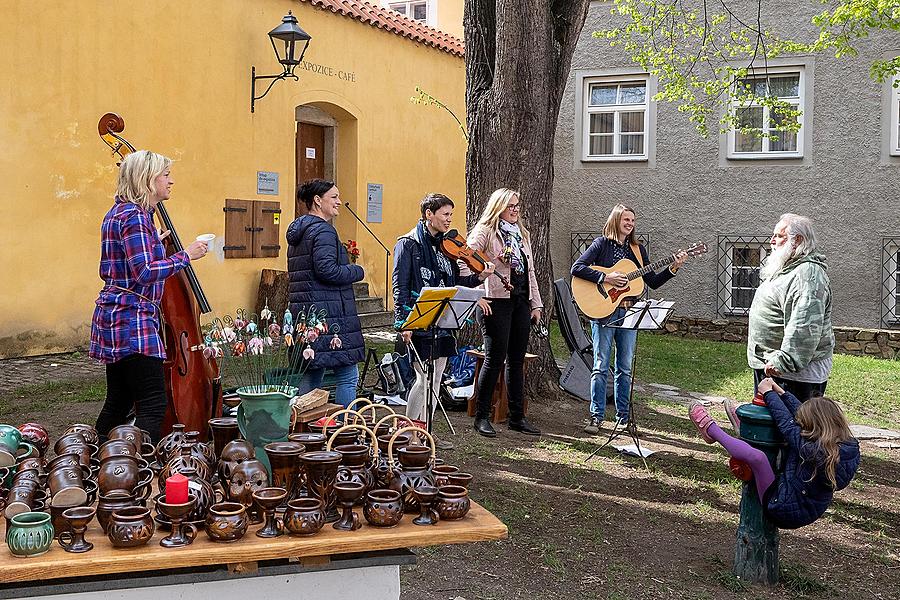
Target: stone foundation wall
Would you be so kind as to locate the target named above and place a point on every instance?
(878, 343)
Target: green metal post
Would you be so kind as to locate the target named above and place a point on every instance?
(756, 547)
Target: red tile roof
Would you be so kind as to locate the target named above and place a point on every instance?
(392, 21)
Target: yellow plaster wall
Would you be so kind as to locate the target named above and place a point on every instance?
(450, 17)
(179, 74)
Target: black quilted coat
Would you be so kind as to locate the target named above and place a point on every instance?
(321, 274)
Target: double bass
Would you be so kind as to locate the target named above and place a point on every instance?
(193, 384)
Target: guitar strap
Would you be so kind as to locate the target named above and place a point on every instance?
(637, 254)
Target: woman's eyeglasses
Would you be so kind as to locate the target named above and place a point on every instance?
(513, 207)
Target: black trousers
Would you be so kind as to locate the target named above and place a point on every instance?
(138, 382)
(506, 332)
(801, 389)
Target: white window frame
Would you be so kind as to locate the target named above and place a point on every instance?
(409, 4)
(798, 101)
(728, 268)
(616, 109)
(890, 287)
(895, 117)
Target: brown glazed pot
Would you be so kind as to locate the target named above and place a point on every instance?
(452, 503)
(124, 473)
(414, 471)
(441, 474)
(313, 442)
(355, 467)
(118, 448)
(222, 430)
(88, 431)
(304, 516)
(247, 477)
(383, 508)
(227, 522)
(135, 435)
(115, 500)
(284, 457)
(321, 473)
(234, 453)
(130, 527)
(461, 479)
(169, 443)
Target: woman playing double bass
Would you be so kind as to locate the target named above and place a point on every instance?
(126, 322)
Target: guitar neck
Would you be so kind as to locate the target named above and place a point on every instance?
(651, 267)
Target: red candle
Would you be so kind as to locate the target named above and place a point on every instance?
(177, 489)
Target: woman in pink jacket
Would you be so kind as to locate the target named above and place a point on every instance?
(505, 241)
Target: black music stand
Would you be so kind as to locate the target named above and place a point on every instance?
(437, 308)
(643, 315)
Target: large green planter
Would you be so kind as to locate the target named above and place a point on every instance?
(264, 416)
(29, 534)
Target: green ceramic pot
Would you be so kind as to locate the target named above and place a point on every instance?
(264, 416)
(29, 534)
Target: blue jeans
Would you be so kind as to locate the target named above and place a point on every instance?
(603, 338)
(345, 379)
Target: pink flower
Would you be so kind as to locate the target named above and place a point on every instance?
(312, 335)
(336, 343)
(309, 354)
(288, 339)
(274, 330)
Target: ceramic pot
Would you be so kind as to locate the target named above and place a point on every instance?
(312, 441)
(12, 445)
(304, 516)
(452, 502)
(29, 534)
(441, 474)
(169, 443)
(248, 477)
(284, 457)
(178, 463)
(109, 503)
(461, 479)
(383, 508)
(198, 449)
(222, 430)
(124, 473)
(227, 522)
(414, 471)
(88, 431)
(264, 417)
(135, 435)
(36, 435)
(74, 523)
(355, 466)
(321, 473)
(66, 487)
(119, 448)
(130, 527)
(69, 439)
(234, 453)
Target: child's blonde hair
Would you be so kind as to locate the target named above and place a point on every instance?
(822, 420)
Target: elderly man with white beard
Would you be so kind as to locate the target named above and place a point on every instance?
(789, 336)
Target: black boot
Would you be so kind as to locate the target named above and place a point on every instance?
(522, 425)
(483, 427)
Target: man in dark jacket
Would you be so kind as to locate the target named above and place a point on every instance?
(321, 276)
(419, 263)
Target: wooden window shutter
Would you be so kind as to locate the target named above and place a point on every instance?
(266, 228)
(238, 228)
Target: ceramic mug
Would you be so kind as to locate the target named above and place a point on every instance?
(12, 445)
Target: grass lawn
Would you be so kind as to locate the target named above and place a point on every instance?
(867, 388)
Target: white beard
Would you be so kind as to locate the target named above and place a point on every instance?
(776, 261)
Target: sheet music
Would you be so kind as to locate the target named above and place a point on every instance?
(460, 308)
(659, 310)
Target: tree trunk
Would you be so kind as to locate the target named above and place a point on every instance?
(518, 54)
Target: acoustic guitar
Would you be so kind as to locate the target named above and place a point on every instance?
(599, 300)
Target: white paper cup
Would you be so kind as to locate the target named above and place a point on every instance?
(206, 237)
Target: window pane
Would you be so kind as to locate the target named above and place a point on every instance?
(602, 122)
(747, 142)
(632, 144)
(787, 140)
(400, 8)
(632, 93)
(420, 12)
(785, 86)
(745, 257)
(753, 85)
(745, 278)
(601, 145)
(748, 118)
(603, 94)
(741, 298)
(631, 121)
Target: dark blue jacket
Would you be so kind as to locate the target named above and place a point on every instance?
(410, 276)
(802, 493)
(602, 254)
(321, 274)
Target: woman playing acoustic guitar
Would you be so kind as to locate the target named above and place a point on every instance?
(617, 242)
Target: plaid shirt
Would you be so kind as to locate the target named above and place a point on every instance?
(134, 267)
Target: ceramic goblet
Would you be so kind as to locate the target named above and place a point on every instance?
(182, 534)
(72, 537)
(348, 493)
(426, 495)
(268, 500)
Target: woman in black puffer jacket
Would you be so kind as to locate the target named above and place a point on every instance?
(321, 275)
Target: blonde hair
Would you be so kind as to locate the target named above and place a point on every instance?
(136, 176)
(821, 420)
(496, 204)
(611, 229)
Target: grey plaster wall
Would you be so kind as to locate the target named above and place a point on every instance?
(689, 190)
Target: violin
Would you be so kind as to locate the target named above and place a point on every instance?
(453, 245)
(193, 385)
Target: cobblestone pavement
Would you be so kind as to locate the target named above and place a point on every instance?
(16, 372)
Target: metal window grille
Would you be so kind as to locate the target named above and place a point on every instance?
(890, 282)
(581, 240)
(738, 262)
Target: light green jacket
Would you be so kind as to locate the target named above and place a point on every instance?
(790, 318)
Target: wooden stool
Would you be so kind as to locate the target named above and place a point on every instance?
(500, 400)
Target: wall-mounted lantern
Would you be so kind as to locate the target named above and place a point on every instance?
(294, 41)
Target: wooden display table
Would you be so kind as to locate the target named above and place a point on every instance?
(500, 400)
(244, 555)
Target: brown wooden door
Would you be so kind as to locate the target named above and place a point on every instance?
(310, 158)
